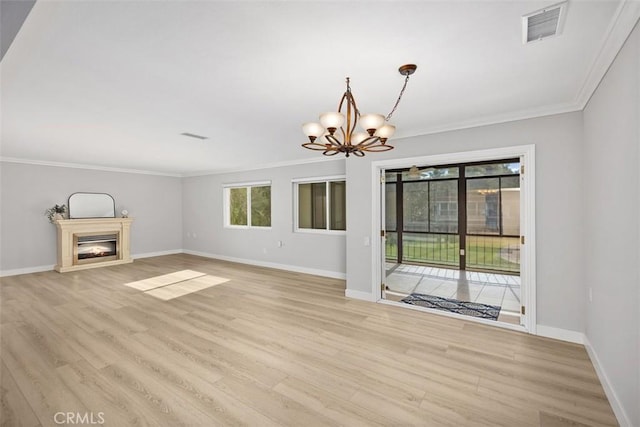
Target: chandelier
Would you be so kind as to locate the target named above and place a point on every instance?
(376, 129)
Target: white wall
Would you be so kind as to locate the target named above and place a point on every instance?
(28, 240)
(559, 233)
(612, 228)
(202, 199)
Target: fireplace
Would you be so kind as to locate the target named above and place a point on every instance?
(92, 242)
(95, 248)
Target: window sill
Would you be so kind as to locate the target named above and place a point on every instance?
(246, 227)
(317, 231)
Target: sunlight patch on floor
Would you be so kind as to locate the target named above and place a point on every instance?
(164, 280)
(174, 285)
(187, 287)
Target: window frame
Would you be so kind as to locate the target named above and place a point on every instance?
(227, 204)
(327, 180)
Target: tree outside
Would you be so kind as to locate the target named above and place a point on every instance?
(238, 206)
(261, 206)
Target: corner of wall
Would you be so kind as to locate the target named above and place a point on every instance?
(363, 296)
(614, 401)
(560, 334)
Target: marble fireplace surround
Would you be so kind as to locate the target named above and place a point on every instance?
(70, 229)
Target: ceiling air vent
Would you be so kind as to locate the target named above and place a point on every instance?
(193, 135)
(543, 23)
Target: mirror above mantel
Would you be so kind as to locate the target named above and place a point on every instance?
(91, 205)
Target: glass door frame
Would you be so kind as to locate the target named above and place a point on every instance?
(526, 154)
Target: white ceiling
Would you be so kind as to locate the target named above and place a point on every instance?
(114, 84)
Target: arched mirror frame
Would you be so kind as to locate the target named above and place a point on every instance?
(91, 205)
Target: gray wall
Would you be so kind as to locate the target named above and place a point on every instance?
(202, 199)
(28, 240)
(559, 232)
(612, 216)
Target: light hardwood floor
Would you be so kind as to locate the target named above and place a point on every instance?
(270, 348)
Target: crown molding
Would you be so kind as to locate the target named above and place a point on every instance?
(625, 19)
(85, 166)
(175, 175)
(532, 113)
(264, 166)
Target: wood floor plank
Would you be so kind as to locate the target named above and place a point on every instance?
(546, 399)
(163, 404)
(340, 411)
(477, 408)
(216, 353)
(401, 414)
(267, 348)
(551, 420)
(272, 404)
(36, 378)
(15, 411)
(104, 398)
(47, 343)
(497, 368)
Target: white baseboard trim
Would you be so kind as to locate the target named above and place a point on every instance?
(26, 270)
(41, 268)
(560, 334)
(361, 295)
(287, 267)
(618, 410)
(159, 253)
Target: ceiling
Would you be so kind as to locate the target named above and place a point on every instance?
(114, 84)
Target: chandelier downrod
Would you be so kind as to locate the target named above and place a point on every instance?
(377, 130)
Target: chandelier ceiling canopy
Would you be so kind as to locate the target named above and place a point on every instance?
(336, 132)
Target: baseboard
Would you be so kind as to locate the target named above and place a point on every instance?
(365, 296)
(618, 410)
(26, 270)
(41, 268)
(159, 253)
(560, 334)
(287, 267)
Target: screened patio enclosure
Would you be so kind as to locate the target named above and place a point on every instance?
(462, 216)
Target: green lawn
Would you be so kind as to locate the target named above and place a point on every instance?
(482, 252)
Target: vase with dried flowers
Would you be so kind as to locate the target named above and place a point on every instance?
(55, 212)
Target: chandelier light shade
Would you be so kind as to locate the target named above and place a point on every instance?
(336, 132)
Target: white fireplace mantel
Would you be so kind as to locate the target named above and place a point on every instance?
(70, 229)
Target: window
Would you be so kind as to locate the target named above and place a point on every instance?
(320, 204)
(430, 206)
(248, 205)
(493, 198)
